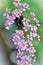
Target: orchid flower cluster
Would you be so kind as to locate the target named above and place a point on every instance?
(21, 39)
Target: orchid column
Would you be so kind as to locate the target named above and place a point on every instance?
(21, 38)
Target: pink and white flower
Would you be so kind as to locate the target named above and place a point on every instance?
(31, 50)
(26, 60)
(19, 54)
(37, 22)
(33, 17)
(24, 6)
(15, 39)
(20, 33)
(7, 25)
(19, 62)
(16, 2)
(9, 22)
(16, 13)
(22, 45)
(26, 27)
(31, 36)
(25, 20)
(33, 28)
(7, 12)
(10, 18)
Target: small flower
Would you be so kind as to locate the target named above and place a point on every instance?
(16, 13)
(31, 50)
(33, 17)
(29, 41)
(34, 35)
(19, 54)
(32, 14)
(24, 6)
(19, 62)
(9, 22)
(15, 39)
(26, 60)
(31, 36)
(10, 18)
(33, 28)
(20, 33)
(26, 27)
(22, 45)
(16, 2)
(20, 12)
(37, 22)
(25, 20)
(7, 12)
